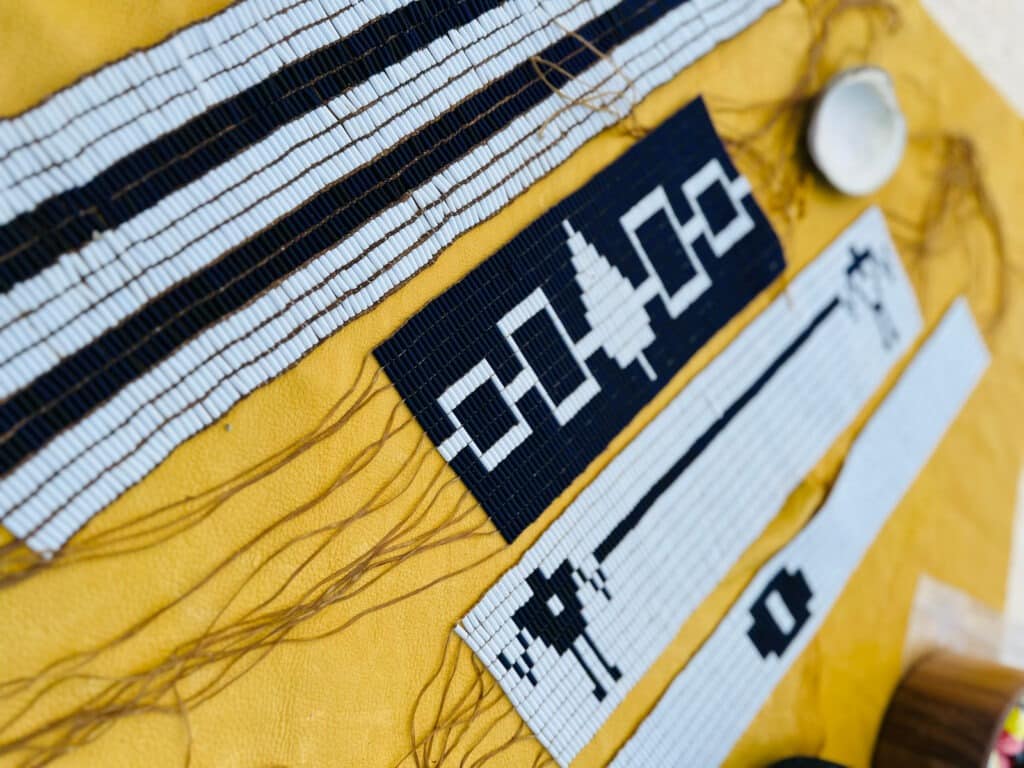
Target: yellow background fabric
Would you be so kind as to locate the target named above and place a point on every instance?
(347, 699)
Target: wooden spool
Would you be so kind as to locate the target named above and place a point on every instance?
(947, 712)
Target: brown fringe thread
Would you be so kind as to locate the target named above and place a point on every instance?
(960, 194)
(457, 699)
(769, 148)
(469, 705)
(460, 711)
(324, 585)
(959, 197)
(160, 525)
(594, 100)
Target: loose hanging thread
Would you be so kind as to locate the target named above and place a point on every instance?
(959, 181)
(229, 645)
(958, 198)
(157, 526)
(119, 699)
(592, 99)
(469, 720)
(197, 670)
(780, 132)
(781, 183)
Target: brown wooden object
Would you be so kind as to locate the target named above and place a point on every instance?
(947, 711)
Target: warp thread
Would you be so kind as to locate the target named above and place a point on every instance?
(468, 720)
(781, 127)
(958, 199)
(422, 507)
(959, 185)
(470, 706)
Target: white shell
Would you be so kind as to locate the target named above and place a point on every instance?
(857, 133)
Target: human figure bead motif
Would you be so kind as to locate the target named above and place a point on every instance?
(606, 586)
(867, 276)
(554, 614)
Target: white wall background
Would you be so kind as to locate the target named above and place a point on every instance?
(989, 32)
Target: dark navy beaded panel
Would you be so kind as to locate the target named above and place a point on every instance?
(523, 371)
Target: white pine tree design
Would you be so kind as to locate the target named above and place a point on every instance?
(614, 308)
